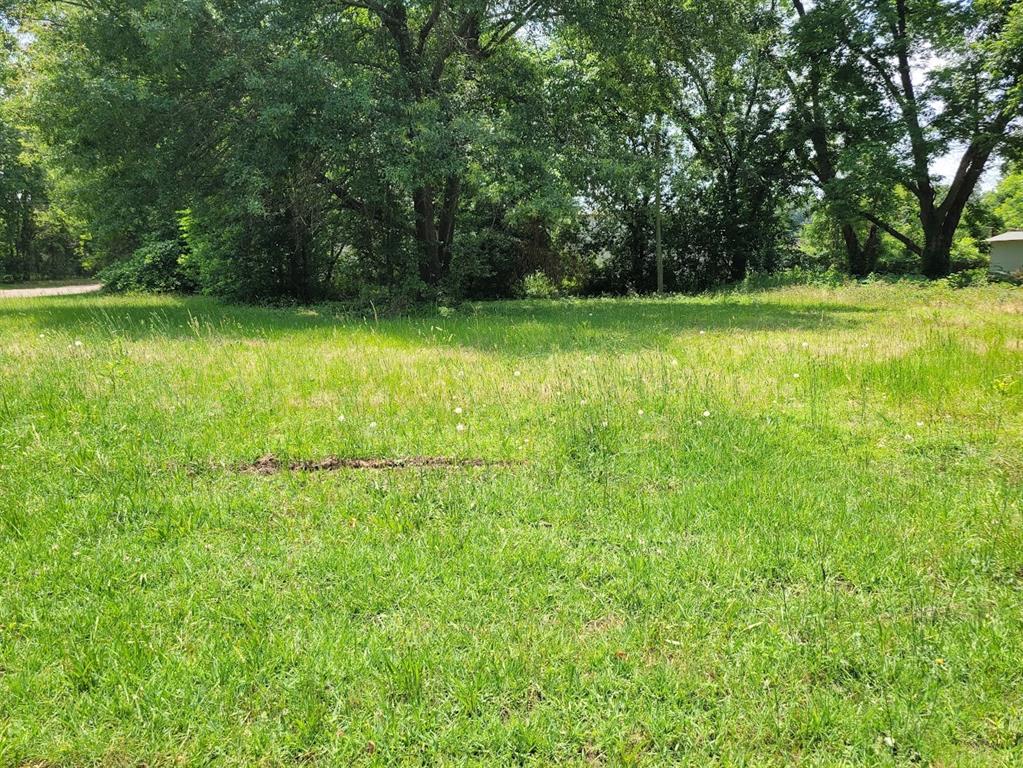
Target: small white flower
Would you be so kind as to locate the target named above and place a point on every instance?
(372, 425)
(703, 333)
(582, 402)
(674, 363)
(518, 374)
(603, 424)
(341, 419)
(909, 438)
(795, 375)
(459, 411)
(461, 427)
(699, 423)
(806, 345)
(642, 412)
(706, 414)
(920, 424)
(78, 343)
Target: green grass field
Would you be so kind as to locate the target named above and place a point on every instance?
(774, 528)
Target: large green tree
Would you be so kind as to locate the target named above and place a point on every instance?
(921, 79)
(684, 109)
(275, 117)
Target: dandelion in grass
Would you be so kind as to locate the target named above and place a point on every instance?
(518, 374)
(642, 412)
(373, 425)
(706, 414)
(806, 345)
(341, 419)
(461, 428)
(582, 403)
(78, 343)
(920, 424)
(459, 411)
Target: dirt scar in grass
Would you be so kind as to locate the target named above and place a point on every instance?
(270, 465)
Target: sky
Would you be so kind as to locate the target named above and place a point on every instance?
(946, 168)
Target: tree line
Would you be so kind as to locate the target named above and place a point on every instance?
(401, 150)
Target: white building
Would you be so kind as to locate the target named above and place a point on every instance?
(1007, 254)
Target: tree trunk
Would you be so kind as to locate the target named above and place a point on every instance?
(446, 225)
(872, 249)
(862, 258)
(937, 252)
(435, 230)
(740, 265)
(855, 254)
(427, 239)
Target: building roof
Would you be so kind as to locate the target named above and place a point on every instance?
(1012, 235)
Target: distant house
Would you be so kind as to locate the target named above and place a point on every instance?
(1007, 254)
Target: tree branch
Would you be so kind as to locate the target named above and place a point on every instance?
(431, 22)
(905, 240)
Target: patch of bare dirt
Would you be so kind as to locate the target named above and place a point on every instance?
(271, 465)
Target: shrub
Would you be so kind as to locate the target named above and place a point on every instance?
(831, 277)
(539, 286)
(966, 255)
(966, 278)
(153, 268)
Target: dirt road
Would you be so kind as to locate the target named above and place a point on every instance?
(57, 290)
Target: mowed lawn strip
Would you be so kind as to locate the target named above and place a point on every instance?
(762, 528)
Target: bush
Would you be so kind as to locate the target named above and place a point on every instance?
(539, 286)
(966, 278)
(153, 268)
(966, 255)
(831, 277)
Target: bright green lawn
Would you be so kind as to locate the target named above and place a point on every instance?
(768, 529)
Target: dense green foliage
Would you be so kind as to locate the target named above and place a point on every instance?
(1008, 200)
(768, 528)
(36, 240)
(395, 150)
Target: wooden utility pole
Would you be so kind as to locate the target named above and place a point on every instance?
(658, 181)
(657, 198)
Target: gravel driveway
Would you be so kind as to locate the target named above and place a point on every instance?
(62, 290)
